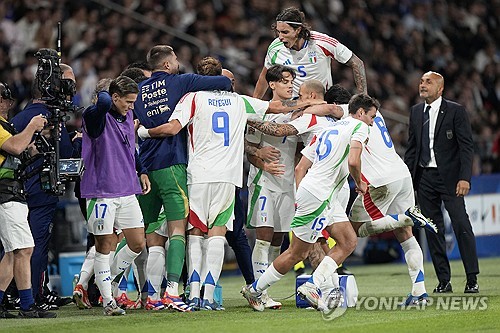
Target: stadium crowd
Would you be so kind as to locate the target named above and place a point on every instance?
(395, 39)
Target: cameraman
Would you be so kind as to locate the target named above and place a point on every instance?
(42, 205)
(15, 233)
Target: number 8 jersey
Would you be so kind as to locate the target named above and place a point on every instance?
(380, 164)
(216, 123)
(329, 151)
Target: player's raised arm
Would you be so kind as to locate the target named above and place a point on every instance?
(274, 129)
(261, 86)
(168, 129)
(358, 70)
(291, 105)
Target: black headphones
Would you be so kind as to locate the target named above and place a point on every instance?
(6, 93)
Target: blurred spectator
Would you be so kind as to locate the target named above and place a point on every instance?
(457, 38)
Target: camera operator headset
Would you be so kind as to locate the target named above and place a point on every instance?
(42, 205)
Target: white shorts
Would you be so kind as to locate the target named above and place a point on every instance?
(267, 208)
(211, 204)
(108, 213)
(313, 216)
(393, 198)
(15, 232)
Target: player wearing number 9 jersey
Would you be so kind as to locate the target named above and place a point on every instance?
(215, 123)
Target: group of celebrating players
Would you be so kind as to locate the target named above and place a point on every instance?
(194, 131)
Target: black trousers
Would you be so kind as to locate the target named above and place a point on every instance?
(431, 191)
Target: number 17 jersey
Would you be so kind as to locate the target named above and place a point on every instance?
(216, 123)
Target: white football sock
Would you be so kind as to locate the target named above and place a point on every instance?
(111, 257)
(213, 260)
(260, 257)
(195, 262)
(274, 252)
(270, 277)
(103, 277)
(87, 269)
(155, 269)
(386, 223)
(415, 261)
(139, 267)
(122, 285)
(324, 271)
(123, 258)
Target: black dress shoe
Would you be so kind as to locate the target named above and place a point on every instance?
(471, 287)
(443, 287)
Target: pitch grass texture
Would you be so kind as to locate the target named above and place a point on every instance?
(373, 281)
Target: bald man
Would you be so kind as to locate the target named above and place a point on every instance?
(439, 156)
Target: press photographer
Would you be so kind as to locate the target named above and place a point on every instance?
(52, 90)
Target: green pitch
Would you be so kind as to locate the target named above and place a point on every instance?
(375, 282)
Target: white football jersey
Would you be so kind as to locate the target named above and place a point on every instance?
(308, 125)
(380, 164)
(216, 123)
(313, 61)
(286, 145)
(329, 151)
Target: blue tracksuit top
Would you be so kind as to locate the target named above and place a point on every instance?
(155, 103)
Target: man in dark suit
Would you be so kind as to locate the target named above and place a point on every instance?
(439, 156)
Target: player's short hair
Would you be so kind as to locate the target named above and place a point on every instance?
(157, 55)
(362, 101)
(337, 94)
(315, 86)
(275, 73)
(123, 85)
(102, 85)
(135, 74)
(209, 66)
(296, 19)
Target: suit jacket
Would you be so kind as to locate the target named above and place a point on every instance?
(453, 145)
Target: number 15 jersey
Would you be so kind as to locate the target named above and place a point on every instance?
(328, 152)
(216, 123)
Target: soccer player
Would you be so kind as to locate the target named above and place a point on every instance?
(108, 142)
(307, 126)
(166, 159)
(271, 196)
(309, 53)
(15, 233)
(216, 122)
(322, 170)
(390, 192)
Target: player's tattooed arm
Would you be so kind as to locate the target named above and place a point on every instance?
(358, 70)
(273, 129)
(289, 103)
(285, 106)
